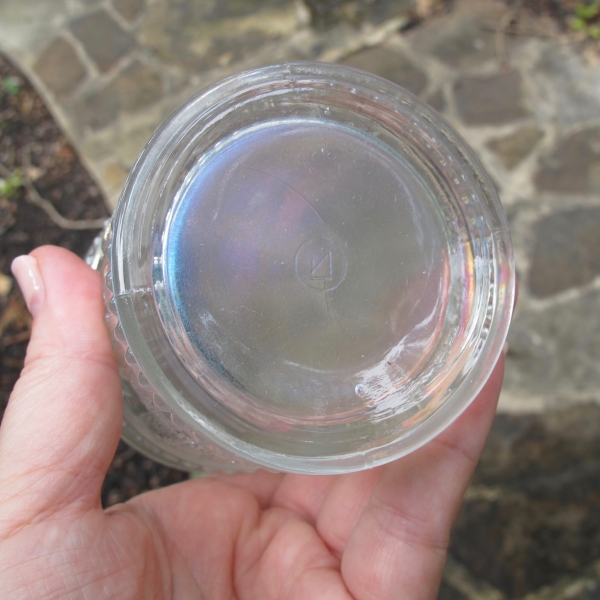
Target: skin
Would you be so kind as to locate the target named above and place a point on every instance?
(373, 535)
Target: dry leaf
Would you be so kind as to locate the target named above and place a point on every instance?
(34, 173)
(5, 285)
(15, 315)
(26, 105)
(65, 151)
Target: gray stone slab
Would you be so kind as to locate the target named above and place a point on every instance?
(555, 352)
(490, 100)
(103, 38)
(138, 86)
(461, 41)
(391, 64)
(27, 26)
(218, 9)
(568, 89)
(574, 166)
(514, 148)
(437, 101)
(566, 251)
(327, 12)
(188, 35)
(60, 68)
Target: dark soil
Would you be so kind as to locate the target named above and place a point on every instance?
(541, 521)
(31, 144)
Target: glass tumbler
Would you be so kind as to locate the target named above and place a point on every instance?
(308, 271)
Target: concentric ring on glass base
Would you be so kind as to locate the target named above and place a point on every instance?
(387, 417)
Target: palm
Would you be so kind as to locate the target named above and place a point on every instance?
(376, 534)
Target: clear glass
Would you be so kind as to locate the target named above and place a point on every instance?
(308, 271)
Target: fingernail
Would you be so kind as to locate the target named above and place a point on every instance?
(27, 273)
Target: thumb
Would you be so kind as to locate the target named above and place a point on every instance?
(63, 419)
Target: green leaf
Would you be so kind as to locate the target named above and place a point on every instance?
(587, 12)
(8, 187)
(594, 31)
(12, 85)
(578, 24)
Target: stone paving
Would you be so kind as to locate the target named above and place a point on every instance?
(111, 70)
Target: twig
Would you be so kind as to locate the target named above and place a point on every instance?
(500, 38)
(48, 207)
(533, 34)
(33, 196)
(57, 218)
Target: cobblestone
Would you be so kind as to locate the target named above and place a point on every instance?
(196, 36)
(568, 86)
(513, 148)
(555, 351)
(136, 87)
(490, 100)
(574, 166)
(437, 101)
(102, 38)
(388, 63)
(458, 41)
(60, 68)
(327, 12)
(566, 252)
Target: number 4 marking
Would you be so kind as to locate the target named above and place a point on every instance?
(321, 268)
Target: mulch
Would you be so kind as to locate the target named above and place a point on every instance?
(34, 150)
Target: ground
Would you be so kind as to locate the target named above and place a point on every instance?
(514, 78)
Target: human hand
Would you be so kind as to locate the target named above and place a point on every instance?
(372, 535)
